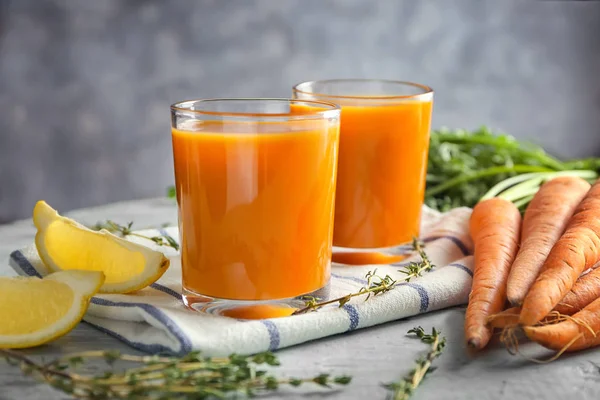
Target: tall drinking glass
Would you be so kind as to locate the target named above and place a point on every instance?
(255, 182)
(384, 141)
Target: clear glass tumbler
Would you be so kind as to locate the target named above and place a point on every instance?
(384, 143)
(255, 182)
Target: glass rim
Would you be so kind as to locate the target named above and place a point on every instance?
(427, 91)
(327, 108)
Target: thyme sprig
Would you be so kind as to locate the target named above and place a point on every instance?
(190, 377)
(416, 269)
(375, 285)
(404, 388)
(126, 230)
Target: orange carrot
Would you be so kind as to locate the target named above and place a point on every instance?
(577, 250)
(544, 222)
(506, 318)
(582, 331)
(494, 226)
(585, 290)
(510, 318)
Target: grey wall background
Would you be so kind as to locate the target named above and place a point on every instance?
(85, 85)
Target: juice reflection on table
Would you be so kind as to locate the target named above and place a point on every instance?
(382, 165)
(256, 206)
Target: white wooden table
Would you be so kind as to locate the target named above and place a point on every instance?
(372, 356)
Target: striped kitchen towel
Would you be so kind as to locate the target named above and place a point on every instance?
(155, 320)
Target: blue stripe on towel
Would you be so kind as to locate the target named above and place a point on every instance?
(24, 264)
(353, 315)
(166, 290)
(184, 342)
(463, 248)
(274, 337)
(464, 268)
(422, 294)
(349, 278)
(146, 348)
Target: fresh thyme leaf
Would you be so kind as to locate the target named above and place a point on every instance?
(185, 378)
(75, 361)
(342, 380)
(418, 331)
(127, 230)
(111, 356)
(295, 382)
(172, 242)
(404, 388)
(416, 269)
(322, 380)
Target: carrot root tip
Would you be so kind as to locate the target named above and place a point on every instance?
(508, 337)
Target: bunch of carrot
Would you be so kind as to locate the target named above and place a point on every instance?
(539, 264)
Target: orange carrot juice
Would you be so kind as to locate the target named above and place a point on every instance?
(256, 203)
(384, 143)
(381, 174)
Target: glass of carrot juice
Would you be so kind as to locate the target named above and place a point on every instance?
(384, 141)
(255, 182)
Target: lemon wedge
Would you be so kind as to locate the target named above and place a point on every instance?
(64, 244)
(34, 311)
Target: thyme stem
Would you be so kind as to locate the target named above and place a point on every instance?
(376, 284)
(186, 378)
(404, 389)
(126, 230)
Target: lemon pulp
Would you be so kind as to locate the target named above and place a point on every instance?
(69, 248)
(34, 311)
(22, 314)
